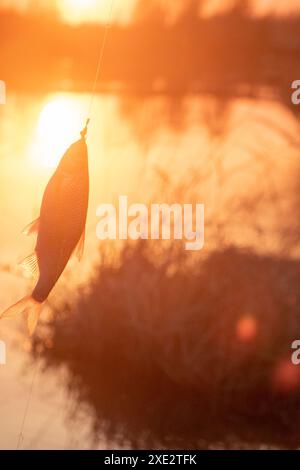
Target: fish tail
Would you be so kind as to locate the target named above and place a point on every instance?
(29, 306)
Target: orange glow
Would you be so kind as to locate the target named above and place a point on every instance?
(60, 122)
(246, 328)
(286, 376)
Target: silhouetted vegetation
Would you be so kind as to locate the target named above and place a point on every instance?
(178, 354)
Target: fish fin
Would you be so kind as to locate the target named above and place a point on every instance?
(16, 309)
(80, 247)
(32, 227)
(30, 265)
(28, 305)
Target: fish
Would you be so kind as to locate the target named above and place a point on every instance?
(60, 230)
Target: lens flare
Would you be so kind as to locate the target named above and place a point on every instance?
(286, 376)
(246, 328)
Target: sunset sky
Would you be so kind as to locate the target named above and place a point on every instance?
(93, 10)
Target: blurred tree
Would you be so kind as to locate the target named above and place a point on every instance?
(242, 7)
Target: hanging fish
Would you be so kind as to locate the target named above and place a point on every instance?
(60, 229)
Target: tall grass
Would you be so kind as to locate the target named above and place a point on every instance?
(176, 353)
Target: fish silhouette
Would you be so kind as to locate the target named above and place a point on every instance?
(60, 229)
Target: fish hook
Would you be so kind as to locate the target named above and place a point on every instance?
(83, 133)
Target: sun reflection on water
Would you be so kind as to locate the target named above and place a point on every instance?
(60, 121)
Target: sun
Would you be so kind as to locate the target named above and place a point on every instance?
(59, 124)
(77, 11)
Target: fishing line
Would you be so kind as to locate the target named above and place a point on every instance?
(21, 435)
(100, 57)
(83, 133)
